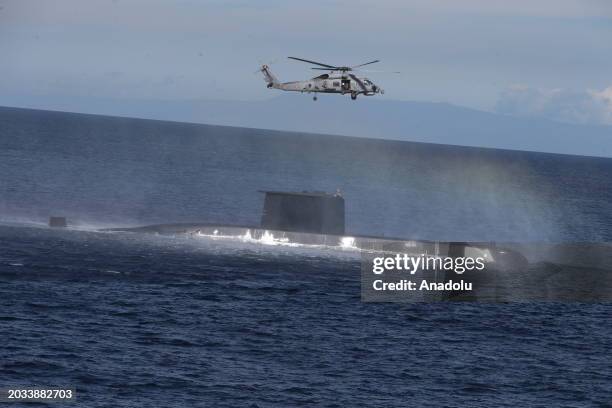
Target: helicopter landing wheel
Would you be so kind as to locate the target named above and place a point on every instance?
(314, 98)
(353, 96)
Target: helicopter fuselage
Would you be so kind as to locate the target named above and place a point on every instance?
(330, 84)
(340, 83)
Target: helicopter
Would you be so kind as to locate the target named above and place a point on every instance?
(339, 80)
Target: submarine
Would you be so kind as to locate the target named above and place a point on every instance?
(318, 219)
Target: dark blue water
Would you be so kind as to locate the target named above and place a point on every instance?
(141, 321)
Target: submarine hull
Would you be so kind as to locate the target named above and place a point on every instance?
(497, 260)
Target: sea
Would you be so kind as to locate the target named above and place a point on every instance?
(137, 320)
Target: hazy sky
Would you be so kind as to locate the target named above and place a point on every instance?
(540, 56)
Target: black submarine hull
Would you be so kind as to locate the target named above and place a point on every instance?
(359, 242)
(318, 219)
(497, 260)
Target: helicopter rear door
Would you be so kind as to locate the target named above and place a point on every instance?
(346, 84)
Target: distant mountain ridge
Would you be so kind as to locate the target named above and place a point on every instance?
(367, 117)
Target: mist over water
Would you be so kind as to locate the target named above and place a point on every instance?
(102, 171)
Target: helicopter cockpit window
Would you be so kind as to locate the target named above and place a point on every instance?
(367, 82)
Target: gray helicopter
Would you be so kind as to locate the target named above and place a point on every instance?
(339, 80)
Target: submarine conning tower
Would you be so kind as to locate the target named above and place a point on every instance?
(314, 212)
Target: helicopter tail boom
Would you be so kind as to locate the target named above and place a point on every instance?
(269, 77)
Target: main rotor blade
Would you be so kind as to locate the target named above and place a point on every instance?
(361, 84)
(311, 62)
(327, 69)
(367, 63)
